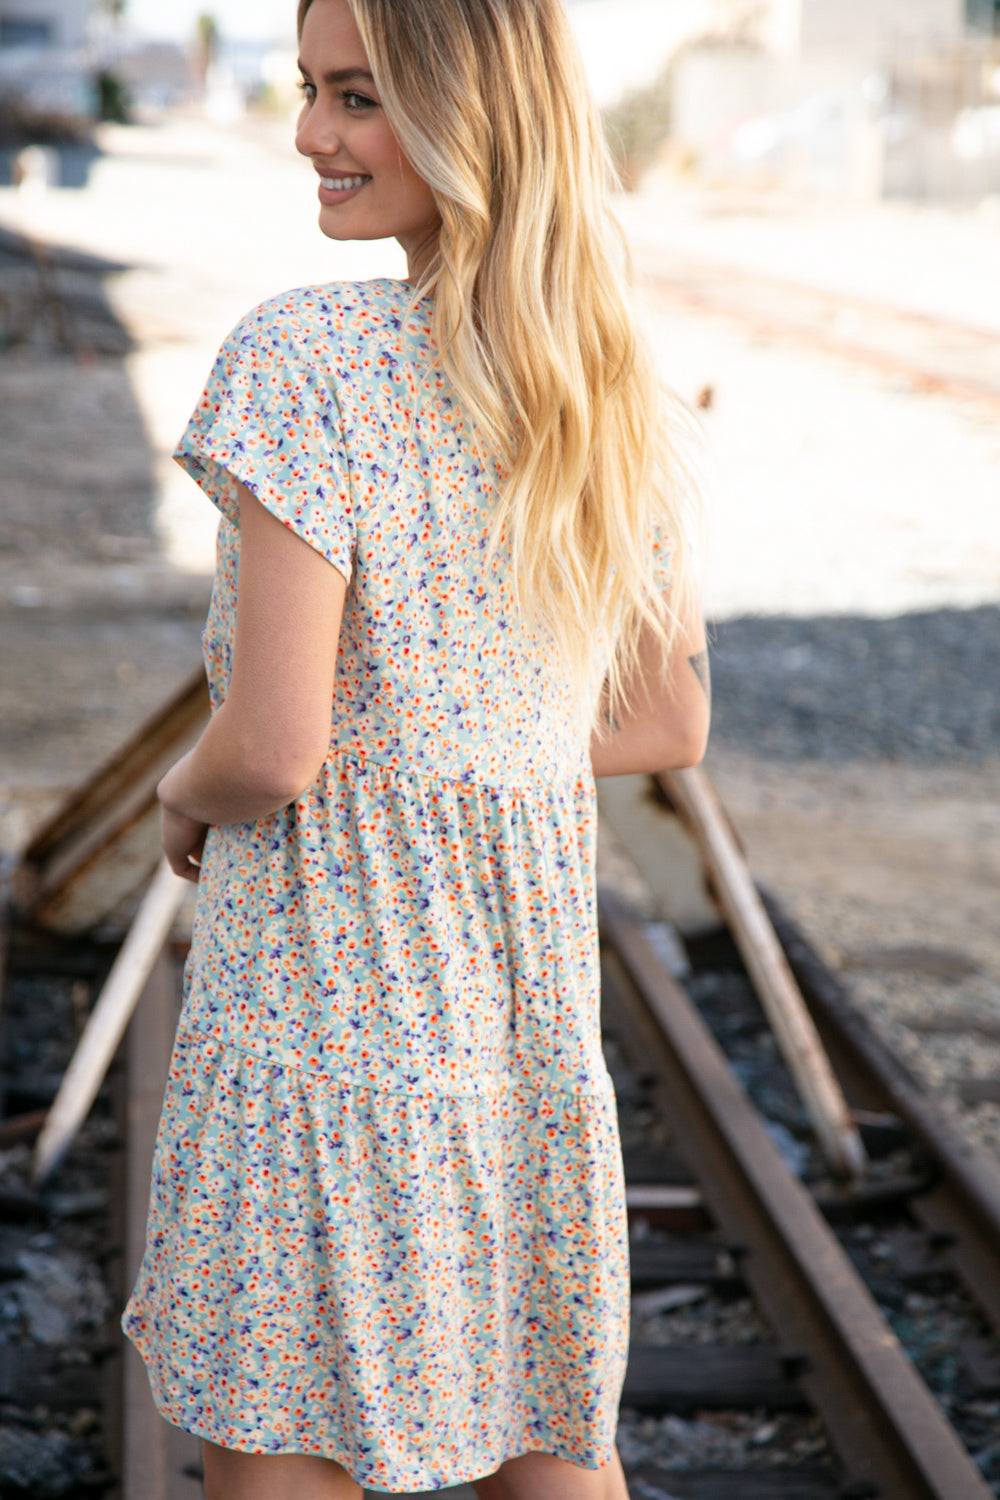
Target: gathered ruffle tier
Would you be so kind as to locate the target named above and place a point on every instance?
(407, 931)
(419, 1287)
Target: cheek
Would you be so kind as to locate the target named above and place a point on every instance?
(415, 189)
(419, 195)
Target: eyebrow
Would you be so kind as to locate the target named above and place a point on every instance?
(340, 75)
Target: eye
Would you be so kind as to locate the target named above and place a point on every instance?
(307, 90)
(356, 103)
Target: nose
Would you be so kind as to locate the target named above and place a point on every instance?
(315, 134)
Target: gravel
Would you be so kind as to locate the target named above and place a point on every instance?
(917, 687)
(718, 1321)
(737, 1440)
(39, 1463)
(915, 1014)
(59, 1295)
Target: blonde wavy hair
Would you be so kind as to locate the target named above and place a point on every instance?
(488, 101)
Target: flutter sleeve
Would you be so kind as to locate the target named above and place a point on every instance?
(269, 418)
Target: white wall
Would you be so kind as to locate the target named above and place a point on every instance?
(859, 27)
(870, 25)
(781, 27)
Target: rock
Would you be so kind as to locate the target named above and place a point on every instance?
(60, 1296)
(43, 1465)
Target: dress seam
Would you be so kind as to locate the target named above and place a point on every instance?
(540, 784)
(190, 1031)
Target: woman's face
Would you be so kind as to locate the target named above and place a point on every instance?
(368, 190)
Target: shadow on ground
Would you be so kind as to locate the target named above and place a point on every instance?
(97, 628)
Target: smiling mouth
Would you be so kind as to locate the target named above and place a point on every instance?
(343, 184)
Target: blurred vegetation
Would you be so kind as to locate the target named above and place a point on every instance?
(206, 31)
(113, 101)
(638, 126)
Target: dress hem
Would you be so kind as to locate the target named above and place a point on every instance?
(163, 1406)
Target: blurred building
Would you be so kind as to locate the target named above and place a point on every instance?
(850, 98)
(156, 75)
(62, 25)
(46, 71)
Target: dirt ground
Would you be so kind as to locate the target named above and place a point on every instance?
(894, 872)
(105, 562)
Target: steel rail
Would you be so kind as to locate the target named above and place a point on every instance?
(883, 1421)
(103, 842)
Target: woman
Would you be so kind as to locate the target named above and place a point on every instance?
(387, 1241)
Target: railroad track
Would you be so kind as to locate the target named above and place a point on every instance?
(833, 1350)
(715, 1212)
(919, 352)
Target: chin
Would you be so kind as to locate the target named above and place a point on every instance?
(342, 231)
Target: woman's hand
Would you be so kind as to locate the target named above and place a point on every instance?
(183, 843)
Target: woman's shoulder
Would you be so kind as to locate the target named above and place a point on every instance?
(334, 318)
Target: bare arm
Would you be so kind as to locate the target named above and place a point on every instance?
(266, 744)
(665, 723)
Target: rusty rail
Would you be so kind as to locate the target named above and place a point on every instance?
(697, 805)
(103, 843)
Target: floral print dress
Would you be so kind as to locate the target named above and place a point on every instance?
(387, 1221)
